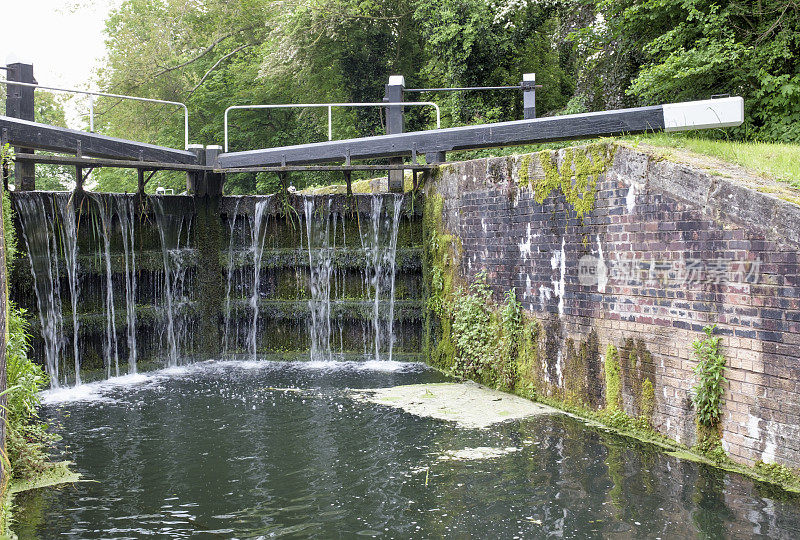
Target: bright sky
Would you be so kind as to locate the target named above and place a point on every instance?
(63, 39)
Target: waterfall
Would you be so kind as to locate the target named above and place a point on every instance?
(39, 234)
(258, 232)
(65, 202)
(126, 215)
(227, 315)
(320, 265)
(110, 345)
(380, 246)
(170, 230)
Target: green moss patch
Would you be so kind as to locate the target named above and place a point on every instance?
(58, 473)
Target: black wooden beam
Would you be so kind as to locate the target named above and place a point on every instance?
(460, 138)
(672, 117)
(70, 141)
(114, 163)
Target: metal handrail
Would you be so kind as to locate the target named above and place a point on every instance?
(330, 107)
(104, 94)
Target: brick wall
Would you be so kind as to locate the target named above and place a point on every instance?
(667, 249)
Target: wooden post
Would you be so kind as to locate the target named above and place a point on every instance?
(529, 95)
(214, 181)
(394, 125)
(194, 179)
(20, 104)
(348, 179)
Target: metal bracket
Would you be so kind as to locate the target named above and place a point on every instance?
(78, 152)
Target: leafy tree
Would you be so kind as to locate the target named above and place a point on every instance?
(693, 49)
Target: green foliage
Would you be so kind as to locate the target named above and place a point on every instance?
(710, 373)
(477, 43)
(9, 233)
(613, 377)
(710, 446)
(676, 50)
(472, 330)
(28, 440)
(781, 474)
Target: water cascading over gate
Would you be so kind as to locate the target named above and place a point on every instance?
(113, 283)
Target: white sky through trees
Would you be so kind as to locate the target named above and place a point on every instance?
(63, 39)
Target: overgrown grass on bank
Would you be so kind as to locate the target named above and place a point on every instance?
(778, 161)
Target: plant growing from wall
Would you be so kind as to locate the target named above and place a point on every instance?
(28, 440)
(708, 392)
(710, 371)
(472, 330)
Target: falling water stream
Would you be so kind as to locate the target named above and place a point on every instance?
(380, 244)
(126, 214)
(259, 233)
(320, 265)
(50, 225)
(226, 335)
(65, 202)
(110, 345)
(171, 231)
(38, 232)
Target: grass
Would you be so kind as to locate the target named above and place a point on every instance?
(779, 161)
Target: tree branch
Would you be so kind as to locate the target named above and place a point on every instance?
(216, 64)
(194, 59)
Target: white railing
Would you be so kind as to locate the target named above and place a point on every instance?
(330, 106)
(104, 94)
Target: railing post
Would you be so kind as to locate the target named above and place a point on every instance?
(394, 125)
(19, 104)
(529, 95)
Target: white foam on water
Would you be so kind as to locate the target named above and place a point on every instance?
(83, 392)
(386, 366)
(93, 391)
(97, 392)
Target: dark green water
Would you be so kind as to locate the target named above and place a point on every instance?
(214, 451)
